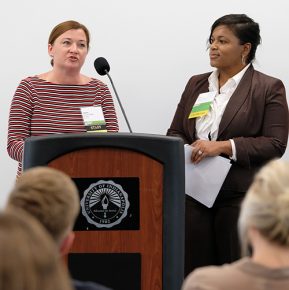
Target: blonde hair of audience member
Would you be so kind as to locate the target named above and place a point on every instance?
(52, 198)
(264, 217)
(29, 258)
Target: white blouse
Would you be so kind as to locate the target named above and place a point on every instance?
(207, 126)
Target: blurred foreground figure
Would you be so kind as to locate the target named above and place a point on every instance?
(263, 229)
(29, 259)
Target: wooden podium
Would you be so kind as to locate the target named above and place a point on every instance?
(130, 230)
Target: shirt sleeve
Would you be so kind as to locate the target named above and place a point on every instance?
(234, 155)
(19, 123)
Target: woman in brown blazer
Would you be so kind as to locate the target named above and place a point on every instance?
(263, 224)
(247, 121)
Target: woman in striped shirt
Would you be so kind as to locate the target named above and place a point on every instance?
(50, 103)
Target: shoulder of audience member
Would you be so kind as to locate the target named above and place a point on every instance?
(227, 276)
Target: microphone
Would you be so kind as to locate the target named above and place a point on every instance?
(102, 67)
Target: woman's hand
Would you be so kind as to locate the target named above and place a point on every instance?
(205, 148)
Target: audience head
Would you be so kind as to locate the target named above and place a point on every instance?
(28, 255)
(266, 206)
(51, 197)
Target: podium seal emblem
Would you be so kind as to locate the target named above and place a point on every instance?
(104, 204)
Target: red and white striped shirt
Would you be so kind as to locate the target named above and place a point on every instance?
(40, 108)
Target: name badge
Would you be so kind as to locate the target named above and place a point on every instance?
(93, 119)
(202, 105)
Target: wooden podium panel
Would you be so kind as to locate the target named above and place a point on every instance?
(108, 162)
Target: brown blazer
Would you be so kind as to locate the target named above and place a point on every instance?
(256, 118)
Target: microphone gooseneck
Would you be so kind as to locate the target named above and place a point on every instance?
(102, 67)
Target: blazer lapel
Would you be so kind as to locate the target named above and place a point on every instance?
(236, 100)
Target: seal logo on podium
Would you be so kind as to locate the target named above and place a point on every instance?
(104, 204)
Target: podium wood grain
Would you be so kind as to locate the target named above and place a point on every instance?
(112, 162)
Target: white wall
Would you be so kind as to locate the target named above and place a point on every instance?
(153, 47)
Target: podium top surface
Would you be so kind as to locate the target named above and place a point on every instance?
(106, 136)
(159, 147)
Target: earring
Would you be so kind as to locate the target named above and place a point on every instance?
(243, 59)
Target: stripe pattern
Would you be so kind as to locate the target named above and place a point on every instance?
(40, 108)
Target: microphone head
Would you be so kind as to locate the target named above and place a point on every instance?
(101, 66)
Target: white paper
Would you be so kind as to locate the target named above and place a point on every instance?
(204, 180)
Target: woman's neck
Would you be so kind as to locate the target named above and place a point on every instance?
(225, 74)
(67, 78)
(268, 254)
